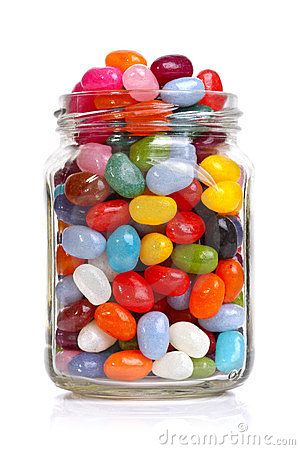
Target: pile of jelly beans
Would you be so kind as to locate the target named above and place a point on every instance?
(148, 256)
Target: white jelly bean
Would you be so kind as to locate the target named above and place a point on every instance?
(102, 263)
(93, 283)
(174, 366)
(187, 337)
(92, 339)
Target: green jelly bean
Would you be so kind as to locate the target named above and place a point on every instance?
(121, 142)
(240, 299)
(124, 177)
(132, 344)
(195, 258)
(149, 151)
(203, 367)
(195, 108)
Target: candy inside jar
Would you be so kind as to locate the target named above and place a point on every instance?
(149, 234)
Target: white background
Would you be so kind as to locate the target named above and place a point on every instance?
(46, 47)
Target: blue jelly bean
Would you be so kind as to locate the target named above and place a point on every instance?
(229, 317)
(68, 212)
(239, 229)
(180, 302)
(60, 189)
(123, 249)
(187, 152)
(67, 292)
(169, 176)
(153, 334)
(89, 365)
(230, 351)
(184, 91)
(83, 242)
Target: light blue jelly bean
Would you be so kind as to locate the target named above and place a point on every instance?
(169, 176)
(180, 302)
(229, 317)
(89, 365)
(67, 292)
(153, 334)
(83, 242)
(230, 351)
(187, 152)
(123, 249)
(184, 91)
(59, 190)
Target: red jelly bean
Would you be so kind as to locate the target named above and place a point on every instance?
(133, 292)
(116, 321)
(86, 189)
(207, 296)
(167, 280)
(232, 274)
(108, 216)
(212, 341)
(76, 316)
(161, 305)
(128, 365)
(212, 82)
(180, 316)
(188, 197)
(185, 228)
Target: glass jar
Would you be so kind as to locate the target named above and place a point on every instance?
(148, 246)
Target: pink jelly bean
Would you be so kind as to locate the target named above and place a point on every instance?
(63, 358)
(81, 103)
(139, 76)
(105, 78)
(93, 158)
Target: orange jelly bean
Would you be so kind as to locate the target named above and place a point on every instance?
(122, 59)
(207, 296)
(61, 226)
(117, 100)
(128, 365)
(65, 263)
(232, 274)
(116, 321)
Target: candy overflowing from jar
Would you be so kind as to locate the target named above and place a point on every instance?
(150, 238)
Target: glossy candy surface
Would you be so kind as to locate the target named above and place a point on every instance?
(102, 263)
(141, 78)
(89, 365)
(195, 258)
(122, 59)
(232, 274)
(93, 283)
(212, 82)
(180, 302)
(104, 78)
(67, 339)
(175, 365)
(221, 168)
(229, 317)
(124, 177)
(224, 197)
(127, 365)
(123, 249)
(203, 367)
(207, 296)
(108, 216)
(152, 210)
(149, 151)
(167, 280)
(169, 176)
(185, 91)
(133, 292)
(155, 248)
(187, 198)
(116, 321)
(82, 242)
(189, 338)
(92, 339)
(153, 334)
(67, 292)
(65, 263)
(86, 189)
(93, 158)
(171, 67)
(230, 351)
(74, 317)
(185, 228)
(222, 235)
(68, 212)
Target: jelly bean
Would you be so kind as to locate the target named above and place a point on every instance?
(122, 59)
(61, 226)
(128, 365)
(104, 78)
(93, 158)
(229, 317)
(150, 150)
(66, 339)
(180, 316)
(66, 264)
(63, 358)
(180, 302)
(144, 113)
(170, 67)
(152, 210)
(88, 365)
(203, 367)
(123, 249)
(208, 142)
(185, 91)
(69, 168)
(230, 351)
(188, 197)
(68, 212)
(121, 142)
(155, 248)
(232, 274)
(83, 242)
(92, 339)
(169, 176)
(141, 78)
(185, 153)
(207, 296)
(239, 229)
(167, 281)
(195, 258)
(221, 234)
(212, 82)
(76, 316)
(86, 189)
(67, 292)
(185, 228)
(224, 197)
(124, 177)
(133, 292)
(221, 168)
(239, 300)
(174, 366)
(93, 284)
(102, 263)
(108, 216)
(132, 344)
(212, 341)
(153, 334)
(80, 103)
(111, 100)
(190, 339)
(205, 213)
(59, 190)
(116, 321)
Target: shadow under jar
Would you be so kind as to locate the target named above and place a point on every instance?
(148, 247)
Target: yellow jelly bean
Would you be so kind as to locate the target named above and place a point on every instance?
(155, 248)
(221, 168)
(224, 197)
(152, 209)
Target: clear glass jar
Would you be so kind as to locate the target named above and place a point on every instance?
(178, 189)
